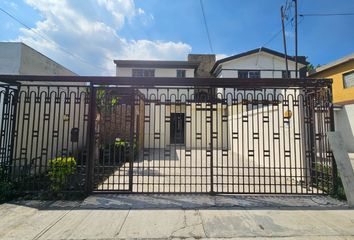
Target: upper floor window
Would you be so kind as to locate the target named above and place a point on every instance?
(242, 74)
(249, 74)
(181, 73)
(143, 72)
(254, 74)
(348, 79)
(285, 74)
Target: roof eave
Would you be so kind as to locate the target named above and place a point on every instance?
(156, 64)
(329, 66)
(266, 50)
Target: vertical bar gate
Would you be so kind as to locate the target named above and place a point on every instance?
(157, 136)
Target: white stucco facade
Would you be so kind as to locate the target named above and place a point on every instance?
(159, 72)
(270, 66)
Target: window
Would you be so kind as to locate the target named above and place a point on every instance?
(242, 74)
(348, 79)
(181, 73)
(254, 74)
(143, 72)
(284, 75)
(249, 74)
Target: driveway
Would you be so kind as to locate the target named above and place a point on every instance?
(178, 216)
(177, 170)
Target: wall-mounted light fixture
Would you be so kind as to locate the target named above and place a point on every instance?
(288, 114)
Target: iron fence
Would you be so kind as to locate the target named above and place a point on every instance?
(159, 135)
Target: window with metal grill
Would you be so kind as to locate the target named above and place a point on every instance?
(181, 73)
(348, 79)
(249, 74)
(143, 72)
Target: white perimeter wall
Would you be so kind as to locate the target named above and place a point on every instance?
(344, 123)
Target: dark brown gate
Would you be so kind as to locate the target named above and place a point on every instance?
(157, 135)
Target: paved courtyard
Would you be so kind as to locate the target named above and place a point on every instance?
(177, 170)
(179, 217)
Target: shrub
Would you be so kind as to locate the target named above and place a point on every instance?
(7, 190)
(325, 171)
(123, 143)
(61, 168)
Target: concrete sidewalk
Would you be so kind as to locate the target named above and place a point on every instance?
(178, 216)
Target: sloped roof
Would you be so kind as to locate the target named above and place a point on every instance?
(300, 59)
(332, 64)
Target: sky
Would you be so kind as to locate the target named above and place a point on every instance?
(86, 35)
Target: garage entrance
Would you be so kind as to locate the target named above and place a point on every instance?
(269, 139)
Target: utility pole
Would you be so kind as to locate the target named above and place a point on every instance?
(296, 72)
(284, 41)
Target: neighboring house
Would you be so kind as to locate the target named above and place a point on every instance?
(342, 73)
(259, 63)
(17, 58)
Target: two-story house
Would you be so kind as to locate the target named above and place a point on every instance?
(242, 123)
(257, 63)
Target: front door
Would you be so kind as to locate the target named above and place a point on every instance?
(177, 128)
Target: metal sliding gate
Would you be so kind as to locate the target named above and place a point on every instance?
(152, 135)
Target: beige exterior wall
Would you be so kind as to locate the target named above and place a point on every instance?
(197, 126)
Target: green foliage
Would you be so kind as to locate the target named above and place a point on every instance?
(338, 191)
(102, 100)
(61, 168)
(119, 142)
(311, 67)
(7, 190)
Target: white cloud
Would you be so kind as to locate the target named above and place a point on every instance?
(92, 33)
(289, 34)
(220, 56)
(11, 4)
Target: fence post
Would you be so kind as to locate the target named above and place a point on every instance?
(91, 137)
(211, 144)
(332, 129)
(131, 140)
(13, 130)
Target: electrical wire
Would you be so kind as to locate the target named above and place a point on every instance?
(325, 14)
(206, 26)
(46, 38)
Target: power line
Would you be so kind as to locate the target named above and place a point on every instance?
(277, 33)
(206, 26)
(274, 36)
(50, 40)
(325, 14)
